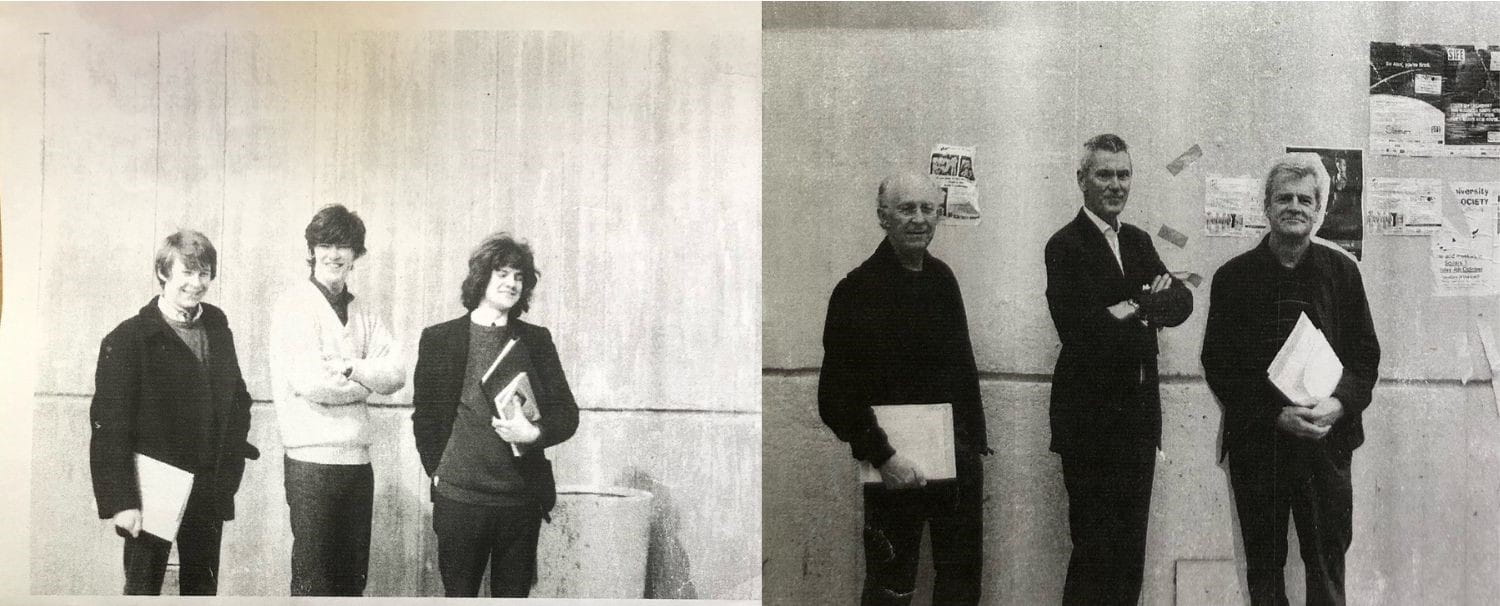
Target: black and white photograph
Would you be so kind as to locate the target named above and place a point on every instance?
(1117, 437)
(385, 300)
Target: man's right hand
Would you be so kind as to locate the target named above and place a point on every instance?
(1293, 423)
(1124, 310)
(898, 473)
(128, 522)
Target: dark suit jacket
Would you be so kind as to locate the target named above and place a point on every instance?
(1104, 390)
(442, 358)
(152, 396)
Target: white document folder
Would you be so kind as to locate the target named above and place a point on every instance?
(923, 433)
(1306, 369)
(164, 495)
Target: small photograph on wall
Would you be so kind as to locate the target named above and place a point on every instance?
(414, 311)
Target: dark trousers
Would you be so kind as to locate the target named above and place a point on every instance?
(469, 536)
(1109, 503)
(198, 538)
(331, 507)
(893, 537)
(1311, 482)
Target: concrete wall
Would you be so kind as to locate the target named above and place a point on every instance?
(852, 94)
(628, 158)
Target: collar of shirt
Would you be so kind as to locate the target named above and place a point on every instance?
(341, 299)
(1111, 235)
(485, 316)
(172, 313)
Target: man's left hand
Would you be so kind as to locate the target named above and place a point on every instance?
(517, 430)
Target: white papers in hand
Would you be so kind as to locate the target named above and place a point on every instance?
(164, 495)
(1306, 369)
(517, 401)
(922, 433)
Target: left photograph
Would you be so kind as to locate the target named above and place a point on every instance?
(327, 308)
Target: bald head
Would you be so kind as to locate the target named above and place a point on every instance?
(909, 207)
(913, 186)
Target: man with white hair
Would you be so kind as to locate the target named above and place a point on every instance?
(896, 333)
(1285, 456)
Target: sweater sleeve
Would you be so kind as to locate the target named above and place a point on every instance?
(381, 370)
(297, 355)
(839, 402)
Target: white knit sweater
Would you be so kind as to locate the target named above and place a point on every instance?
(322, 414)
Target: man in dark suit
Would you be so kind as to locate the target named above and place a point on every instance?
(168, 386)
(1291, 457)
(1108, 293)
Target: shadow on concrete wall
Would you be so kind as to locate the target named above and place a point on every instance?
(668, 570)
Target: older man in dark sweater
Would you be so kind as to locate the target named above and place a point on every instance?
(897, 333)
(1286, 456)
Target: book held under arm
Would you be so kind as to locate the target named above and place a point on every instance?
(923, 434)
(1306, 369)
(517, 400)
(164, 495)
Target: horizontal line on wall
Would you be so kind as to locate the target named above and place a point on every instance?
(685, 411)
(1173, 379)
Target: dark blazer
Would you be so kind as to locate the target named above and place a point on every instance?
(442, 358)
(1104, 388)
(1239, 345)
(153, 397)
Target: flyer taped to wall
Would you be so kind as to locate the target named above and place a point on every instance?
(952, 167)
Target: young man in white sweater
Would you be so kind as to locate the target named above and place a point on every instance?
(328, 354)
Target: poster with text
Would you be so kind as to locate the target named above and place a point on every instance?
(1463, 252)
(1343, 222)
(1434, 100)
(1405, 207)
(1232, 207)
(952, 166)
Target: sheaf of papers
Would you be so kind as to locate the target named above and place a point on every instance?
(922, 433)
(1405, 207)
(952, 167)
(1232, 207)
(164, 495)
(1306, 369)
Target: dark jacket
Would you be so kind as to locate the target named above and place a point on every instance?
(442, 358)
(152, 396)
(894, 336)
(1238, 345)
(1104, 387)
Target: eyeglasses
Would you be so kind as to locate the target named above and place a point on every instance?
(910, 210)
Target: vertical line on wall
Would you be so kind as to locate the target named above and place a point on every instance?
(313, 193)
(42, 216)
(224, 149)
(156, 181)
(495, 133)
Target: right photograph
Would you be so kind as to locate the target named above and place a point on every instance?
(1123, 303)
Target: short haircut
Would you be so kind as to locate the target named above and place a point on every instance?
(497, 251)
(193, 248)
(337, 226)
(1105, 142)
(1299, 165)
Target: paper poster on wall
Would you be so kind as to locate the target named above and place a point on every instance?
(1232, 207)
(952, 166)
(1405, 207)
(1344, 219)
(1434, 100)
